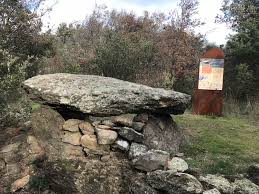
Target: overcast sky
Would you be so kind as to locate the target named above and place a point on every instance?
(76, 10)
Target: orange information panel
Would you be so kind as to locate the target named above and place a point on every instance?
(208, 96)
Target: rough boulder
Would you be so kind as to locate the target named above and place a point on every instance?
(102, 95)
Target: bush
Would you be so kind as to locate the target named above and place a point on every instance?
(121, 57)
(12, 73)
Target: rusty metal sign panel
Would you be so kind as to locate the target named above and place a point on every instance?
(208, 96)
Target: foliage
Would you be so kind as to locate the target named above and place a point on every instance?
(21, 45)
(148, 49)
(121, 57)
(38, 183)
(12, 72)
(20, 29)
(242, 59)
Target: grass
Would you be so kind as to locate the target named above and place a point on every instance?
(35, 106)
(224, 145)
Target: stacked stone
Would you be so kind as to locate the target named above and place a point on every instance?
(150, 139)
(99, 135)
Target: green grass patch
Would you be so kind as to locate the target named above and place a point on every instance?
(220, 144)
(35, 106)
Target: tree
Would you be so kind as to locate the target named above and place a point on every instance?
(180, 47)
(21, 45)
(155, 49)
(242, 59)
(20, 29)
(123, 56)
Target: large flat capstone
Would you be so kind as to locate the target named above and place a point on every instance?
(103, 95)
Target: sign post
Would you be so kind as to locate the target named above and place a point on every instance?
(208, 96)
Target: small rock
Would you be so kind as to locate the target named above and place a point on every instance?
(253, 173)
(197, 172)
(121, 144)
(86, 128)
(131, 135)
(101, 150)
(72, 125)
(37, 153)
(96, 123)
(73, 152)
(105, 158)
(174, 183)
(218, 182)
(20, 183)
(138, 185)
(10, 148)
(89, 142)
(177, 165)
(108, 123)
(162, 133)
(98, 119)
(35, 147)
(179, 154)
(124, 120)
(26, 126)
(143, 118)
(245, 186)
(10, 153)
(212, 191)
(2, 164)
(116, 128)
(138, 126)
(72, 138)
(151, 160)
(103, 127)
(136, 150)
(13, 169)
(106, 137)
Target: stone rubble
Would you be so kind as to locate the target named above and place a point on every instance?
(89, 141)
(136, 150)
(138, 126)
(174, 183)
(121, 144)
(131, 135)
(253, 173)
(218, 182)
(106, 137)
(72, 138)
(72, 125)
(86, 128)
(123, 120)
(20, 183)
(245, 186)
(212, 191)
(151, 160)
(177, 165)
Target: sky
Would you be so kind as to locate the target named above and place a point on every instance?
(72, 11)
